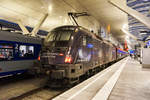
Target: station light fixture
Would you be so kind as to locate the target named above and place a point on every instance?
(145, 0)
(50, 8)
(127, 37)
(125, 26)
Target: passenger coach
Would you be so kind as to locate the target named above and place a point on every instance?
(17, 52)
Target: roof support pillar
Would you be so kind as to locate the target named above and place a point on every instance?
(23, 28)
(36, 28)
(129, 34)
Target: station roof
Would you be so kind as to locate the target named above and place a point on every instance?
(30, 12)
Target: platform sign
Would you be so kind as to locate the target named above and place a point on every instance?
(131, 51)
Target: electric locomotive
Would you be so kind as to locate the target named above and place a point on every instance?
(72, 52)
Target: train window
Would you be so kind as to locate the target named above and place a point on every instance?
(6, 51)
(65, 36)
(51, 37)
(26, 51)
(59, 36)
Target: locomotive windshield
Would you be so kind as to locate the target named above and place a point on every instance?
(58, 38)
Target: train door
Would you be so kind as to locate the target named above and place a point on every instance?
(95, 52)
(103, 52)
(100, 52)
(85, 52)
(110, 50)
(107, 53)
(113, 53)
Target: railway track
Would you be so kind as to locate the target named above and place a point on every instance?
(27, 88)
(42, 93)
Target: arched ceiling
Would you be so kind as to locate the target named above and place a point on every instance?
(30, 11)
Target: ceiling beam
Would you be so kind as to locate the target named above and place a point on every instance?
(23, 28)
(129, 34)
(36, 28)
(143, 19)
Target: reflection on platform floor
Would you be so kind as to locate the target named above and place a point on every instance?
(133, 84)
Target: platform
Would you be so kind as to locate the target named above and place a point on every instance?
(124, 80)
(133, 83)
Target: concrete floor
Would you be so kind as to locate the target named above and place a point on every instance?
(133, 83)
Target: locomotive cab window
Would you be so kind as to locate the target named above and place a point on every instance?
(51, 37)
(58, 38)
(63, 36)
(6, 51)
(26, 51)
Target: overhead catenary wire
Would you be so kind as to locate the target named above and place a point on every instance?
(75, 9)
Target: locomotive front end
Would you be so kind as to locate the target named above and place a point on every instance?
(56, 56)
(56, 49)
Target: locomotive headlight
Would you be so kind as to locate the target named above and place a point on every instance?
(68, 59)
(72, 38)
(39, 58)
